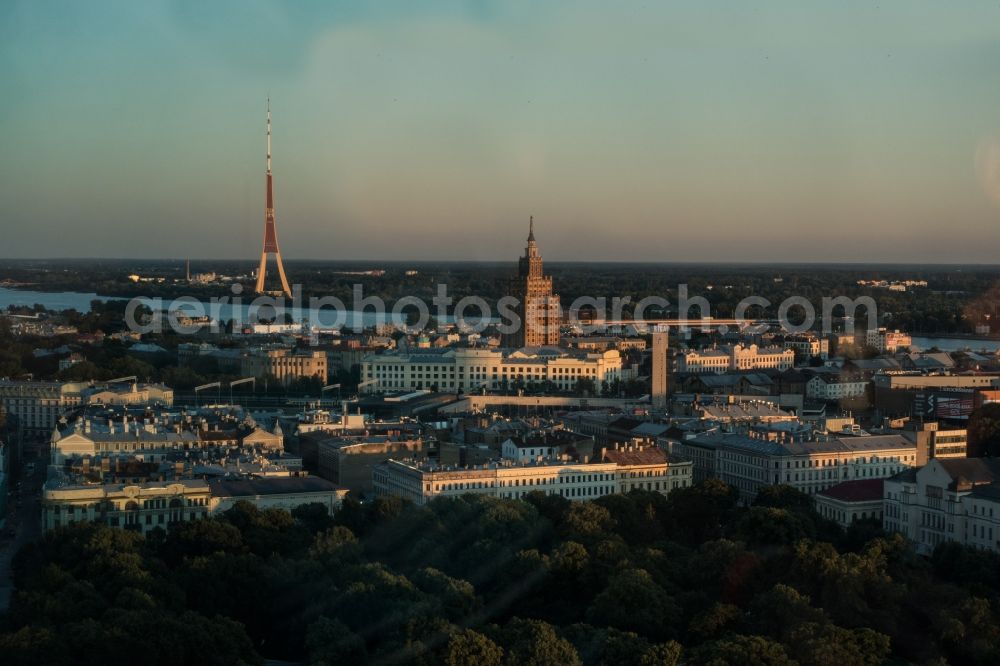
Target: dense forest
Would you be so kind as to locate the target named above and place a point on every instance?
(627, 579)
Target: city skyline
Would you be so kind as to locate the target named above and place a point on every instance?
(663, 134)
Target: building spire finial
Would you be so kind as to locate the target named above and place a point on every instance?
(531, 229)
(269, 135)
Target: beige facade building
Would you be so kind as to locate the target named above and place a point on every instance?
(630, 468)
(286, 365)
(148, 505)
(648, 467)
(882, 339)
(537, 307)
(422, 482)
(807, 346)
(39, 405)
(735, 358)
(465, 369)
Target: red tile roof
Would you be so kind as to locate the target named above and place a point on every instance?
(647, 456)
(861, 490)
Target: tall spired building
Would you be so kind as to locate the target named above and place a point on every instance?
(270, 232)
(537, 307)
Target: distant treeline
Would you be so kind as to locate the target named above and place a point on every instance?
(955, 300)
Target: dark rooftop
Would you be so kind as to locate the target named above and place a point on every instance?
(860, 490)
(270, 486)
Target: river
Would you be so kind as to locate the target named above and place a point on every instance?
(81, 303)
(322, 317)
(955, 344)
(58, 300)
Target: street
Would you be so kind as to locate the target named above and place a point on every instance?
(23, 517)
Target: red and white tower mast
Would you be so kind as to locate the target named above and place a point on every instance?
(270, 232)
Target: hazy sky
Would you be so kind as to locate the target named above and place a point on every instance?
(771, 131)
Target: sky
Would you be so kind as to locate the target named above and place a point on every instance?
(652, 131)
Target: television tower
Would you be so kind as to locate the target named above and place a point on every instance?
(270, 232)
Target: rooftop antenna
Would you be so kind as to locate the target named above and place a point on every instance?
(269, 135)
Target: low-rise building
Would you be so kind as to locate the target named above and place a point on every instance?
(547, 444)
(808, 346)
(286, 365)
(152, 504)
(276, 493)
(850, 501)
(834, 386)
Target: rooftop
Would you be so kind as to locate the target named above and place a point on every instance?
(860, 490)
(271, 486)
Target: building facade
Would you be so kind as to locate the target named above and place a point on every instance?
(465, 369)
(830, 387)
(754, 460)
(538, 308)
(808, 346)
(946, 500)
(286, 365)
(149, 505)
(735, 358)
(850, 501)
(614, 473)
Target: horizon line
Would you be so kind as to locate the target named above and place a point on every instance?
(713, 262)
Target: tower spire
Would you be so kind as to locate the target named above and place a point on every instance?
(270, 231)
(531, 229)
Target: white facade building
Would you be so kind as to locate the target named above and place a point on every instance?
(946, 500)
(463, 369)
(835, 387)
(420, 483)
(737, 357)
(618, 471)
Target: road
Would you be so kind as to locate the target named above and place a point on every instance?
(25, 520)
